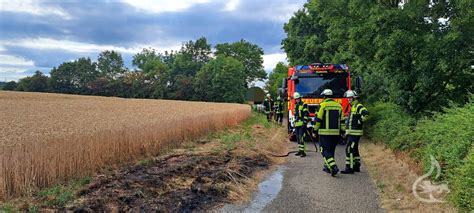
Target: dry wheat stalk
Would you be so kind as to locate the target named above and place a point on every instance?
(46, 138)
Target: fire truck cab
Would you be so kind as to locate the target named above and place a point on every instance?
(310, 81)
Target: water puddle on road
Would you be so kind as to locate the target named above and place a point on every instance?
(267, 191)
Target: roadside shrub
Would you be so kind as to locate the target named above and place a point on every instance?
(448, 136)
(388, 123)
(462, 184)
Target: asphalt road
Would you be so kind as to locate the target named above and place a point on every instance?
(306, 188)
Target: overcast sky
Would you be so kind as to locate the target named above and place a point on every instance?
(39, 35)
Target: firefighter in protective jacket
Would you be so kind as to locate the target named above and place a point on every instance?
(354, 131)
(268, 104)
(329, 122)
(301, 119)
(279, 110)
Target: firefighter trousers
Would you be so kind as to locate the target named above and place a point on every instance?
(300, 131)
(279, 117)
(352, 152)
(328, 145)
(269, 115)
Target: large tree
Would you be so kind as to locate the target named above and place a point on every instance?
(11, 85)
(250, 55)
(221, 80)
(36, 83)
(110, 64)
(192, 56)
(74, 77)
(305, 39)
(147, 54)
(189, 60)
(403, 50)
(156, 76)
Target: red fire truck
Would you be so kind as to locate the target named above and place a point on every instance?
(310, 81)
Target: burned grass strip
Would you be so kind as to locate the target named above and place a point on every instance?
(176, 183)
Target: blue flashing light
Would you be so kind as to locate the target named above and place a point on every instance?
(320, 66)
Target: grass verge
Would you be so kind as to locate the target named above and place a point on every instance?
(394, 180)
(447, 136)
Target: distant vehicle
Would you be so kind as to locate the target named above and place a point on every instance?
(310, 81)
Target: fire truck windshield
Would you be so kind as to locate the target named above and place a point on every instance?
(313, 86)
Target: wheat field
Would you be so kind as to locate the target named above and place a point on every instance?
(48, 138)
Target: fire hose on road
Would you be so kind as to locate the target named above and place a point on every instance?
(312, 140)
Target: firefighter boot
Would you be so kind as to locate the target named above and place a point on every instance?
(299, 153)
(303, 154)
(357, 168)
(348, 171)
(326, 169)
(334, 170)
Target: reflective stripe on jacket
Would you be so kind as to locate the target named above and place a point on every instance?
(357, 115)
(301, 114)
(278, 107)
(330, 118)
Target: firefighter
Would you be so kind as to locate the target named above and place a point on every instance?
(301, 120)
(354, 122)
(329, 122)
(279, 111)
(268, 104)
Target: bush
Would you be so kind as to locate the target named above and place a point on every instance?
(389, 122)
(462, 184)
(448, 136)
(10, 86)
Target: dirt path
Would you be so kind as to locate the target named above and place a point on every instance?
(306, 188)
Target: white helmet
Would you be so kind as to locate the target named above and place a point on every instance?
(268, 95)
(296, 95)
(327, 92)
(350, 94)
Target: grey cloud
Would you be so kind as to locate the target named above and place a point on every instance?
(118, 24)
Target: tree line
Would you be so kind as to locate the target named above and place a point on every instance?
(194, 72)
(417, 54)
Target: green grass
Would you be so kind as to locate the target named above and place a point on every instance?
(60, 195)
(448, 136)
(8, 208)
(257, 118)
(33, 209)
(242, 134)
(144, 162)
(380, 185)
(230, 140)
